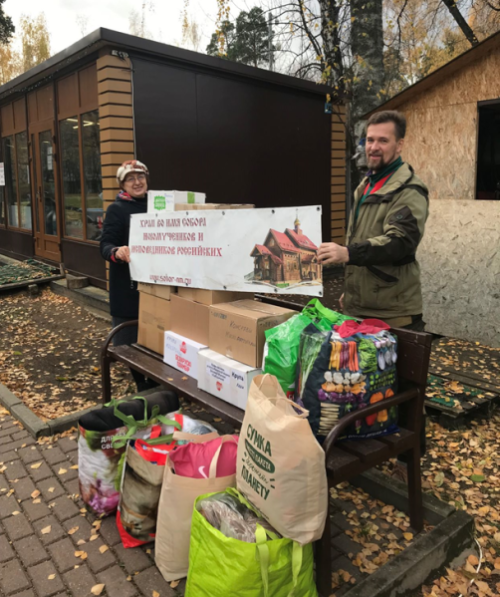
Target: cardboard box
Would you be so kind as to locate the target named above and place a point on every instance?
(225, 378)
(159, 201)
(159, 290)
(182, 353)
(187, 207)
(154, 321)
(190, 319)
(213, 297)
(237, 329)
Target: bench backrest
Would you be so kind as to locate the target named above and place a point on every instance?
(414, 351)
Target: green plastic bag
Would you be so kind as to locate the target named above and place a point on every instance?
(282, 342)
(220, 565)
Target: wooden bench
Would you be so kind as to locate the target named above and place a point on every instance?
(344, 459)
(347, 459)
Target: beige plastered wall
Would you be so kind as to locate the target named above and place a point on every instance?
(460, 253)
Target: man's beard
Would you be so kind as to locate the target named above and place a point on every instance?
(380, 164)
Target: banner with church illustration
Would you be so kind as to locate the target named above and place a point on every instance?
(247, 250)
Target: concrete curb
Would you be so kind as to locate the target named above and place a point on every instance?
(394, 492)
(428, 554)
(92, 297)
(34, 424)
(37, 426)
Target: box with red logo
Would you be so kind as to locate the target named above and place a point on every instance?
(182, 353)
(225, 378)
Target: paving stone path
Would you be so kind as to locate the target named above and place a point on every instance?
(39, 510)
(50, 546)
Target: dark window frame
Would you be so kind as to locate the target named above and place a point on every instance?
(481, 104)
(77, 110)
(79, 114)
(82, 196)
(8, 225)
(26, 132)
(82, 168)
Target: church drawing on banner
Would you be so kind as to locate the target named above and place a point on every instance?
(286, 258)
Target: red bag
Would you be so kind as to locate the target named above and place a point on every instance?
(140, 489)
(194, 460)
(367, 326)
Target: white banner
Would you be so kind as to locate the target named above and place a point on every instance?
(247, 250)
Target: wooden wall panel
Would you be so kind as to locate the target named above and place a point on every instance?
(114, 91)
(338, 175)
(20, 114)
(440, 141)
(14, 117)
(41, 104)
(45, 102)
(68, 101)
(77, 93)
(88, 87)
(32, 108)
(7, 120)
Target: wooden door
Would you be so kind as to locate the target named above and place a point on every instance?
(45, 190)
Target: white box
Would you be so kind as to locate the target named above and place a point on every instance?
(159, 201)
(225, 378)
(182, 353)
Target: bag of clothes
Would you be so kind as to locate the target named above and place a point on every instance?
(346, 370)
(282, 342)
(101, 444)
(142, 477)
(234, 551)
(192, 470)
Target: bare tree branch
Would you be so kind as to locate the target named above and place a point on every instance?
(461, 22)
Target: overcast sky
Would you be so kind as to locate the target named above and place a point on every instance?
(163, 17)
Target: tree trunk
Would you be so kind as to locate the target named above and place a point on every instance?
(461, 22)
(367, 42)
(333, 68)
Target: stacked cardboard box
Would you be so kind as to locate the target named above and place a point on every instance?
(189, 317)
(236, 344)
(212, 297)
(237, 330)
(154, 315)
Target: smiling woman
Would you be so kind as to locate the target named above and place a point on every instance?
(132, 176)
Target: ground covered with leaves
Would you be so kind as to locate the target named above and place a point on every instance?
(373, 533)
(49, 354)
(462, 468)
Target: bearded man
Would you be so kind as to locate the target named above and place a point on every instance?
(382, 275)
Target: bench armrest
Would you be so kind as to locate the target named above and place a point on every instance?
(114, 331)
(351, 418)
